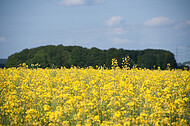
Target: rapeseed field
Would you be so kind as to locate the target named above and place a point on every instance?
(98, 97)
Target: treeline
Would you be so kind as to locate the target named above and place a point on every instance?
(2, 63)
(57, 56)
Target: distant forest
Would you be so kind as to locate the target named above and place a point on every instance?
(2, 63)
(57, 56)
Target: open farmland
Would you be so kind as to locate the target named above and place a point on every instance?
(88, 96)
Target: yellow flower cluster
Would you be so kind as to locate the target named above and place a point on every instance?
(87, 96)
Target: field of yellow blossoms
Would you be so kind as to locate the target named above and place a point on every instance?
(98, 97)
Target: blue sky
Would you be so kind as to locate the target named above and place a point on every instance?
(137, 24)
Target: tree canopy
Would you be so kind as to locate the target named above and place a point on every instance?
(57, 56)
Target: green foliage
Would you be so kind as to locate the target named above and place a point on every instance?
(57, 56)
(2, 63)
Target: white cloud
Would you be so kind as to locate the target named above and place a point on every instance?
(159, 22)
(2, 39)
(116, 31)
(80, 2)
(117, 40)
(72, 2)
(182, 24)
(116, 20)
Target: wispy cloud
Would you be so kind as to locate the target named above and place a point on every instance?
(2, 39)
(116, 31)
(159, 22)
(80, 2)
(182, 24)
(114, 21)
(119, 41)
(187, 22)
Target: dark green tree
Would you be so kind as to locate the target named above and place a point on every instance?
(57, 56)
